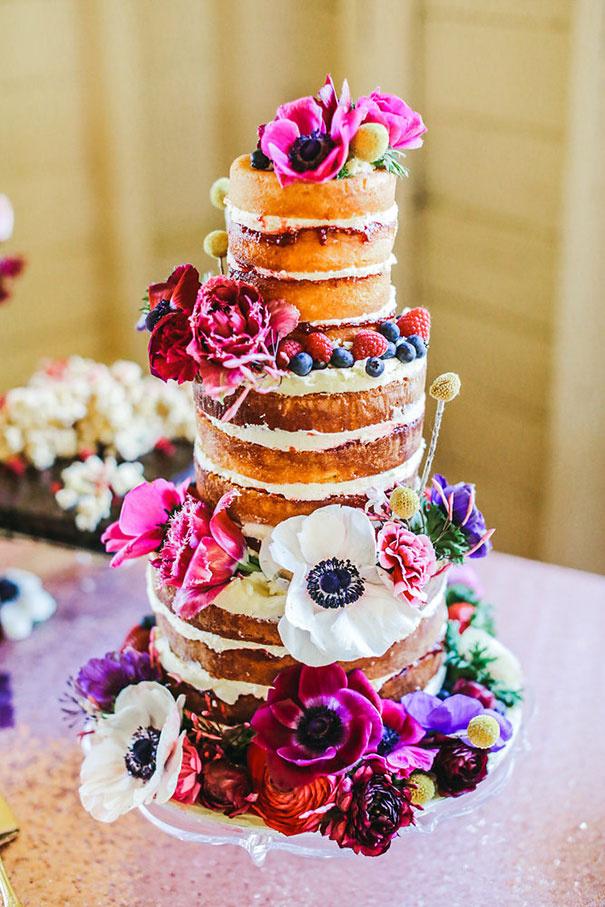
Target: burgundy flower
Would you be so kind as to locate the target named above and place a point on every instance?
(370, 809)
(400, 733)
(226, 787)
(101, 679)
(458, 768)
(178, 292)
(200, 554)
(235, 334)
(475, 691)
(317, 721)
(10, 268)
(170, 306)
(409, 560)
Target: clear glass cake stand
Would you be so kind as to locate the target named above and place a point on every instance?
(193, 823)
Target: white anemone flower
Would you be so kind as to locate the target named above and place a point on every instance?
(337, 607)
(135, 754)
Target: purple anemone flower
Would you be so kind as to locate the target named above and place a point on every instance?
(463, 512)
(7, 713)
(101, 679)
(399, 734)
(317, 721)
(452, 715)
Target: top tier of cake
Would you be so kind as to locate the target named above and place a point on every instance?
(330, 435)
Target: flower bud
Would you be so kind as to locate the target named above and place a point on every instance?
(445, 387)
(423, 788)
(216, 243)
(370, 142)
(404, 502)
(218, 190)
(483, 731)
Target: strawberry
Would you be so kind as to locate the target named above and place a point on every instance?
(369, 344)
(319, 346)
(137, 638)
(286, 351)
(462, 612)
(416, 321)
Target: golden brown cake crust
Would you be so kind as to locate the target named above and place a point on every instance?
(259, 191)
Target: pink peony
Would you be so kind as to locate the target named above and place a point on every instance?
(200, 554)
(404, 125)
(142, 522)
(188, 786)
(309, 138)
(409, 560)
(235, 334)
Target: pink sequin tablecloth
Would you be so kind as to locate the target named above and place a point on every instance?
(541, 842)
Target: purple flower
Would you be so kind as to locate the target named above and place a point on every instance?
(370, 808)
(399, 734)
(101, 679)
(7, 713)
(451, 715)
(458, 501)
(317, 721)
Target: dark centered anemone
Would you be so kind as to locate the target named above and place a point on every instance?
(308, 151)
(140, 756)
(390, 739)
(334, 583)
(319, 728)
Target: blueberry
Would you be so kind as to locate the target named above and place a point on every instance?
(374, 367)
(259, 161)
(319, 366)
(342, 358)
(8, 590)
(301, 364)
(418, 344)
(406, 352)
(390, 330)
(154, 315)
(390, 351)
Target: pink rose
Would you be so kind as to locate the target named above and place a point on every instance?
(188, 786)
(200, 554)
(408, 559)
(235, 334)
(404, 125)
(309, 138)
(142, 522)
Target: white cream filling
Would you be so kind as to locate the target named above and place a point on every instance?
(280, 439)
(318, 491)
(348, 380)
(315, 276)
(270, 223)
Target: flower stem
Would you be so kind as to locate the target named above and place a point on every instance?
(433, 445)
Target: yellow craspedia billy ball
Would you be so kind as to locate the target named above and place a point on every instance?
(422, 788)
(218, 191)
(445, 387)
(216, 243)
(404, 502)
(483, 731)
(370, 142)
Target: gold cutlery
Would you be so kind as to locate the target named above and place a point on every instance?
(9, 830)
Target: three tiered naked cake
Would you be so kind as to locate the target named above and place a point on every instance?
(297, 667)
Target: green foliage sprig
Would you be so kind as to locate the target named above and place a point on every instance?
(449, 541)
(474, 665)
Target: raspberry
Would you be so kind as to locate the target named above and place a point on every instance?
(416, 321)
(319, 346)
(286, 351)
(137, 638)
(369, 343)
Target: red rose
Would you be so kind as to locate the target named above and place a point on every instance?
(179, 291)
(226, 788)
(284, 809)
(168, 356)
(459, 768)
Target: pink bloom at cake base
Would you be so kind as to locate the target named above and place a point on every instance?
(400, 733)
(409, 560)
(235, 335)
(404, 125)
(188, 785)
(145, 512)
(200, 554)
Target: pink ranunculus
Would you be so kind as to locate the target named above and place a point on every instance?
(188, 786)
(404, 125)
(309, 138)
(143, 518)
(408, 559)
(200, 554)
(235, 334)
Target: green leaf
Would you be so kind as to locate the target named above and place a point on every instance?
(483, 618)
(342, 173)
(391, 163)
(459, 592)
(449, 541)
